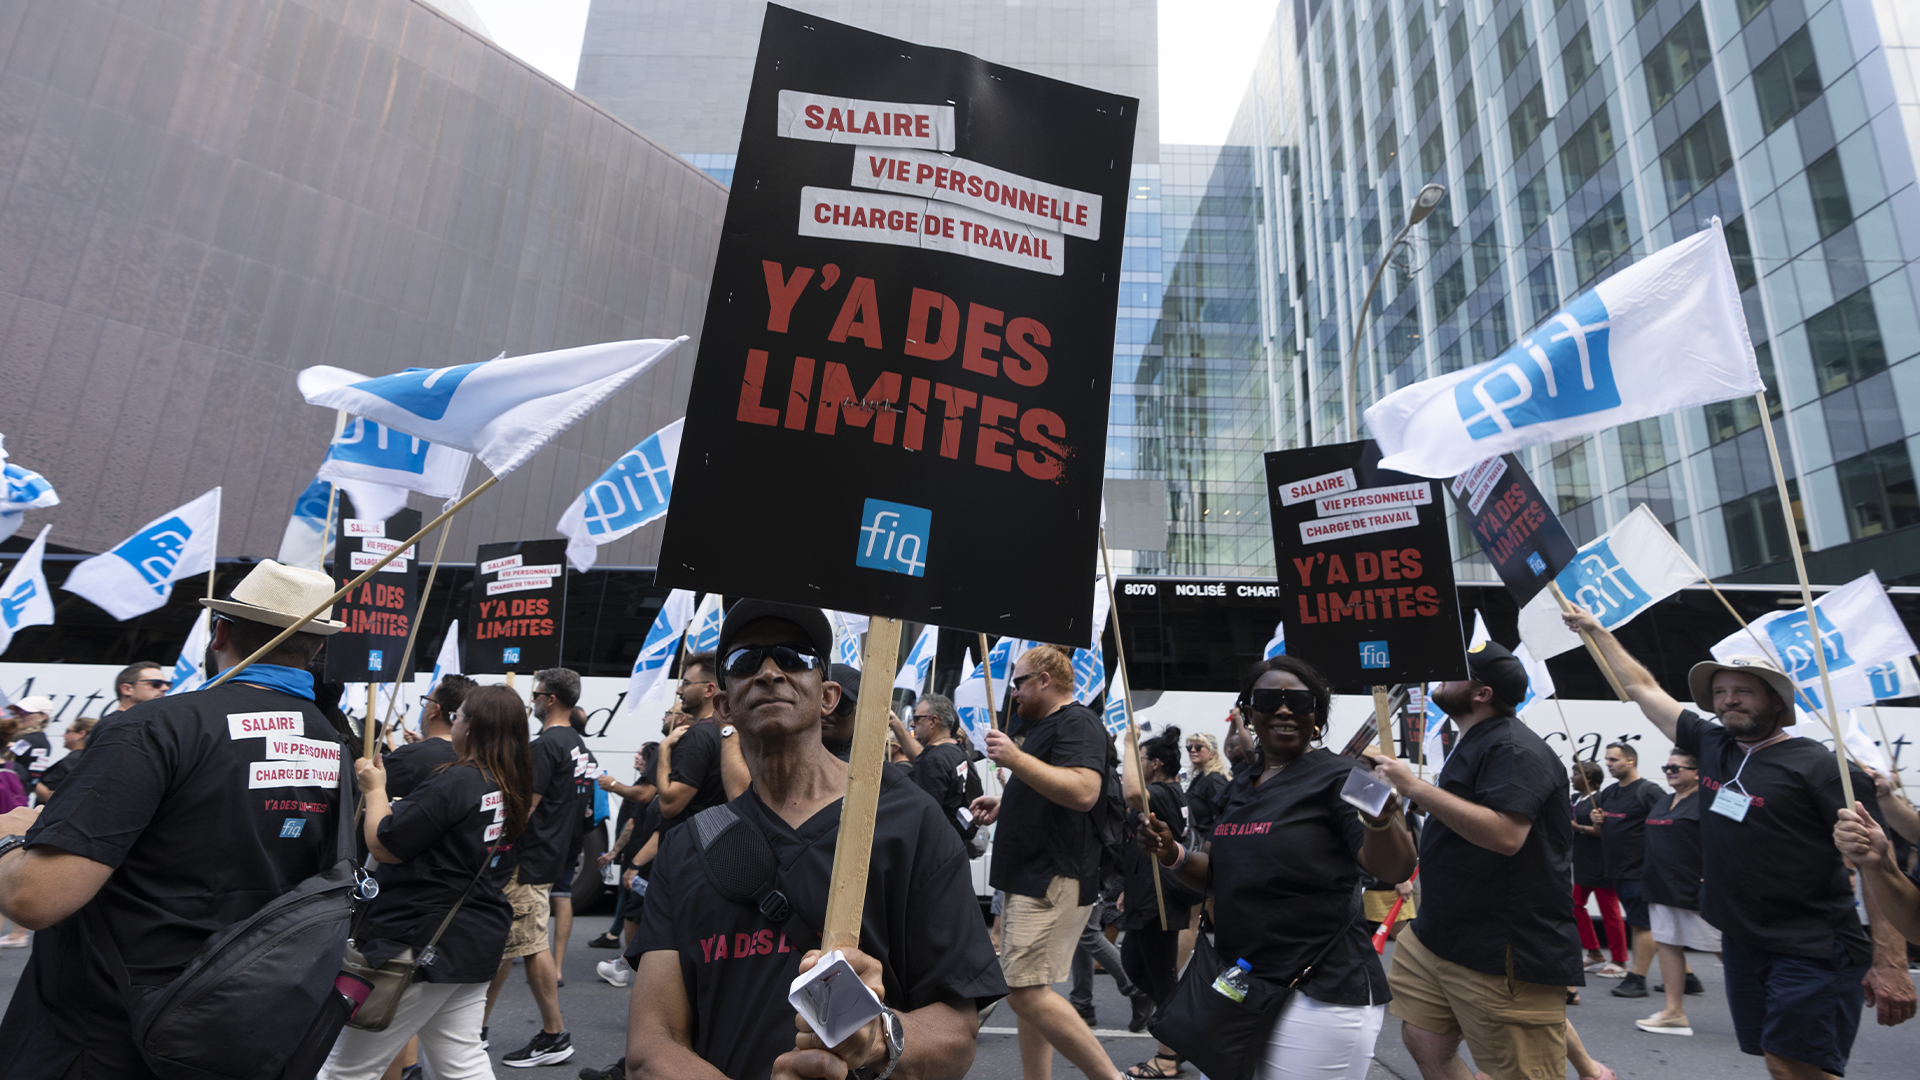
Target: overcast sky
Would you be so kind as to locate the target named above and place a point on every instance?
(1207, 51)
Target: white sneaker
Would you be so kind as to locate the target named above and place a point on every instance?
(616, 972)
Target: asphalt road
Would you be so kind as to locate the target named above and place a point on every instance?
(596, 1014)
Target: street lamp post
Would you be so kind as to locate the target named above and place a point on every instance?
(1423, 204)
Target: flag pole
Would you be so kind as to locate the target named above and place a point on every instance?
(1572, 747)
(853, 851)
(986, 672)
(413, 632)
(1806, 596)
(1126, 697)
(1593, 647)
(1893, 759)
(349, 586)
(366, 726)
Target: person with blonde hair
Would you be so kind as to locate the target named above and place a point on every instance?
(1207, 780)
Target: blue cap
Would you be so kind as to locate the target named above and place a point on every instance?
(1244, 966)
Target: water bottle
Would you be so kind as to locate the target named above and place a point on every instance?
(1233, 981)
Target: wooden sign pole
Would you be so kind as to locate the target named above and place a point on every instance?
(1383, 717)
(1593, 647)
(366, 725)
(986, 672)
(1126, 696)
(853, 850)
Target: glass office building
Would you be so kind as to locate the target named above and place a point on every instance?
(1573, 138)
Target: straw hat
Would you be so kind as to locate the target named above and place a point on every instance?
(278, 596)
(1700, 678)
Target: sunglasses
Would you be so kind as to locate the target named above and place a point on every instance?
(1194, 748)
(928, 717)
(1268, 701)
(164, 684)
(793, 656)
(1018, 679)
(1670, 769)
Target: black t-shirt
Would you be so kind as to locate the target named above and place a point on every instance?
(560, 763)
(1477, 907)
(56, 773)
(1284, 860)
(442, 831)
(646, 825)
(920, 921)
(207, 805)
(696, 761)
(941, 771)
(1037, 840)
(1623, 835)
(407, 766)
(32, 754)
(1672, 872)
(1589, 856)
(1137, 869)
(1204, 798)
(1774, 880)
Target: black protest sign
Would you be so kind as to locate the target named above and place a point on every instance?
(901, 397)
(1515, 529)
(519, 593)
(1366, 577)
(379, 611)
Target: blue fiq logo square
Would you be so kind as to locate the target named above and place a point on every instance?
(292, 827)
(374, 659)
(1536, 564)
(1374, 654)
(893, 537)
(510, 656)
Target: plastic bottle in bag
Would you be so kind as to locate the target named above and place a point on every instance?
(1233, 981)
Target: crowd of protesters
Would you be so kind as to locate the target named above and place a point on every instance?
(1160, 862)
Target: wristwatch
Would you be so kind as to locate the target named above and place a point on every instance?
(726, 732)
(10, 842)
(896, 1046)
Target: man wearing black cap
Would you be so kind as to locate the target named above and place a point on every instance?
(710, 999)
(1799, 965)
(1493, 950)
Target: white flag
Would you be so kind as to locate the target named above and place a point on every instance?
(657, 651)
(1000, 661)
(138, 574)
(1859, 631)
(1664, 334)
(503, 410)
(1480, 634)
(189, 672)
(1089, 674)
(1616, 577)
(913, 673)
(24, 599)
(1893, 679)
(1116, 714)
(21, 489)
(630, 494)
(1539, 680)
(1433, 741)
(970, 701)
(304, 541)
(1102, 601)
(1862, 747)
(1277, 644)
(704, 635)
(846, 637)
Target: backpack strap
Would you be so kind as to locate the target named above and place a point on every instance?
(739, 862)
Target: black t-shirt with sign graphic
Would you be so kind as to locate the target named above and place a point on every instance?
(1285, 864)
(921, 922)
(547, 848)
(32, 754)
(696, 761)
(1774, 880)
(941, 771)
(1623, 835)
(207, 805)
(1036, 839)
(408, 766)
(441, 834)
(1672, 872)
(1483, 910)
(1589, 856)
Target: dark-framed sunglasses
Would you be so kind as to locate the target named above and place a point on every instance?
(1018, 679)
(1195, 747)
(792, 656)
(164, 684)
(1671, 769)
(1268, 700)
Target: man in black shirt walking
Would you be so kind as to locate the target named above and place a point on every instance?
(1047, 856)
(32, 753)
(1798, 963)
(697, 767)
(1620, 810)
(940, 764)
(413, 762)
(1493, 950)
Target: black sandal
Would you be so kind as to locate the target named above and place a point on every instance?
(1573, 997)
(1150, 1069)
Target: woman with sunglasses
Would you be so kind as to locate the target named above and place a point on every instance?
(441, 845)
(1671, 878)
(1284, 865)
(1207, 786)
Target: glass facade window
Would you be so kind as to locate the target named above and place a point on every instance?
(1750, 8)
(1727, 419)
(1641, 450)
(1878, 491)
(1543, 291)
(1740, 250)
(1473, 179)
(1588, 148)
(1576, 61)
(1534, 207)
(1756, 534)
(1696, 159)
(1457, 41)
(1786, 81)
(1486, 253)
(1514, 43)
(1449, 289)
(1845, 341)
(1466, 110)
(1426, 88)
(1572, 482)
(1528, 120)
(1832, 210)
(1491, 334)
(1600, 241)
(1681, 55)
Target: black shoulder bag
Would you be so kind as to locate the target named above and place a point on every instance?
(258, 1001)
(1227, 1039)
(391, 979)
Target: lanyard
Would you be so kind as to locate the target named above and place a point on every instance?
(1735, 782)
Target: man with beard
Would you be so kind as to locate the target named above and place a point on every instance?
(1798, 963)
(1493, 950)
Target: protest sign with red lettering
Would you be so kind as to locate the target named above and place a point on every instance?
(1366, 577)
(379, 611)
(1517, 531)
(900, 405)
(519, 595)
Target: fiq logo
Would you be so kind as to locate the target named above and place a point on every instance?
(1558, 371)
(155, 551)
(1374, 654)
(893, 537)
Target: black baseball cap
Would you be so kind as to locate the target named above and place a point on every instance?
(848, 677)
(811, 621)
(1491, 663)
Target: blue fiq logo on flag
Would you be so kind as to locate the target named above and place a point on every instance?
(364, 442)
(155, 551)
(12, 607)
(633, 492)
(893, 537)
(1559, 371)
(425, 392)
(1795, 645)
(1596, 581)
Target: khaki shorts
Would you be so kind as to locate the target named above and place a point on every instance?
(1380, 901)
(531, 909)
(1516, 1030)
(1038, 934)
